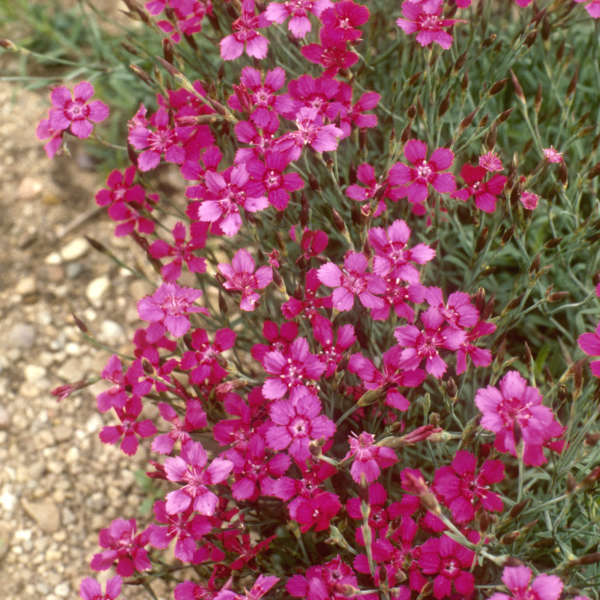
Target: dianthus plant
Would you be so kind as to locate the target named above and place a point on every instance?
(353, 374)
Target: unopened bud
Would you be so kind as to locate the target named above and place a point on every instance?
(338, 221)
(504, 115)
(517, 509)
(573, 83)
(497, 87)
(80, 324)
(530, 39)
(535, 264)
(517, 86)
(571, 483)
(466, 121)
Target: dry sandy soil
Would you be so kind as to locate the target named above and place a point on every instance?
(59, 485)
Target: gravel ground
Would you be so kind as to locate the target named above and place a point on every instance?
(59, 485)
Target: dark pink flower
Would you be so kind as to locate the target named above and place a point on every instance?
(332, 54)
(590, 344)
(529, 200)
(317, 511)
(90, 589)
(195, 418)
(243, 276)
(161, 140)
(463, 491)
(369, 459)
(245, 35)
(329, 581)
(484, 192)
(552, 155)
(425, 19)
(181, 250)
(342, 19)
(190, 468)
(124, 546)
(74, 112)
(518, 581)
(297, 421)
(204, 361)
(517, 405)
(132, 382)
(170, 306)
(593, 8)
(130, 428)
(417, 178)
(332, 353)
(450, 563)
(352, 280)
(188, 15)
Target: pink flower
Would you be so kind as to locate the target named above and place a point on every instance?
(190, 468)
(298, 11)
(590, 344)
(484, 192)
(245, 35)
(369, 459)
(450, 563)
(328, 581)
(74, 112)
(517, 580)
(352, 280)
(517, 405)
(169, 307)
(552, 155)
(341, 20)
(124, 546)
(296, 422)
(332, 54)
(43, 132)
(593, 8)
(195, 418)
(417, 178)
(90, 589)
(529, 200)
(242, 276)
(426, 20)
(463, 491)
(490, 162)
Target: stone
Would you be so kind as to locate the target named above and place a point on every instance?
(26, 286)
(96, 290)
(22, 335)
(5, 539)
(75, 249)
(73, 270)
(34, 373)
(4, 418)
(8, 501)
(111, 333)
(44, 513)
(62, 590)
(53, 259)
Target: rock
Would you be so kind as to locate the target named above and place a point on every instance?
(44, 513)
(96, 290)
(94, 423)
(5, 538)
(4, 418)
(8, 501)
(22, 335)
(62, 590)
(71, 370)
(33, 373)
(26, 286)
(29, 188)
(73, 270)
(53, 259)
(62, 433)
(75, 249)
(111, 333)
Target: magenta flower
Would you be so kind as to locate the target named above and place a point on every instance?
(328, 581)
(425, 19)
(369, 459)
(186, 526)
(74, 112)
(188, 15)
(243, 276)
(190, 468)
(195, 418)
(156, 142)
(297, 421)
(529, 200)
(204, 359)
(245, 35)
(181, 250)
(352, 280)
(43, 132)
(170, 306)
(484, 192)
(490, 162)
(297, 11)
(90, 589)
(463, 491)
(130, 428)
(516, 404)
(417, 178)
(590, 344)
(342, 19)
(124, 546)
(450, 563)
(332, 54)
(517, 580)
(552, 155)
